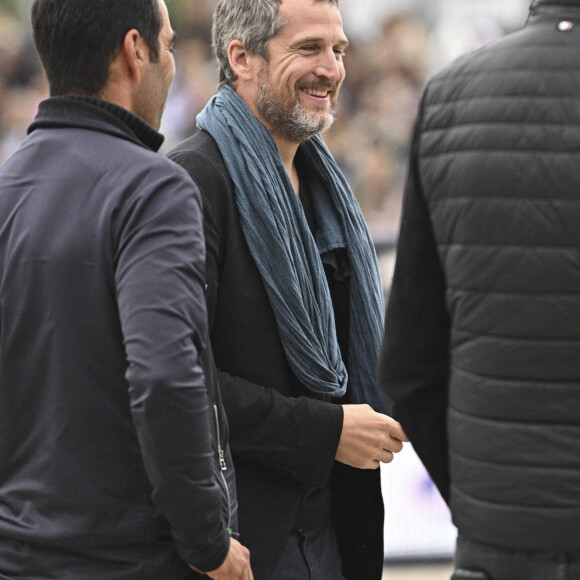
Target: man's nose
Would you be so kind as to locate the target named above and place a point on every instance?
(330, 66)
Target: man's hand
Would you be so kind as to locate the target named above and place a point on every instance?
(236, 566)
(368, 438)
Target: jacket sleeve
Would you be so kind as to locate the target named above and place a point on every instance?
(296, 437)
(414, 365)
(293, 436)
(159, 277)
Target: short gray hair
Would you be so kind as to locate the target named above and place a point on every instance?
(252, 22)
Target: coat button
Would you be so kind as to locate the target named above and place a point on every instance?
(565, 26)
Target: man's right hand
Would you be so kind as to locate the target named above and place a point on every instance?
(236, 566)
(368, 438)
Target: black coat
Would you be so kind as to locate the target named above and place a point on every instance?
(107, 429)
(483, 325)
(283, 441)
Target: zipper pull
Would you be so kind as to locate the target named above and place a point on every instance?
(223, 465)
(221, 456)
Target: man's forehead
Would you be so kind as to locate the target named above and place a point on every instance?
(297, 9)
(311, 19)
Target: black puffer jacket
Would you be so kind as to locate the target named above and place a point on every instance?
(489, 266)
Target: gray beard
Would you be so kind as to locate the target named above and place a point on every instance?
(296, 125)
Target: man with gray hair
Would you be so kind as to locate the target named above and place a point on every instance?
(294, 296)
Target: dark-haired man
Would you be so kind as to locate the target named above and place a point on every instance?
(294, 296)
(114, 463)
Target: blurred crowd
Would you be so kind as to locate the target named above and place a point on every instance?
(386, 71)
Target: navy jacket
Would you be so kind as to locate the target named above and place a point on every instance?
(109, 460)
(483, 325)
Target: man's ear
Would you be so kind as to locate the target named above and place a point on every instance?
(135, 54)
(126, 71)
(241, 61)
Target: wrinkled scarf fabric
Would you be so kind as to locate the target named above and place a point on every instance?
(289, 259)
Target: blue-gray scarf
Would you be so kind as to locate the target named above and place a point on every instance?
(289, 259)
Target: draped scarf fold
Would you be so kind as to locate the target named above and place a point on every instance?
(289, 258)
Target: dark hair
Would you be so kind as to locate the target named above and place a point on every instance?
(78, 39)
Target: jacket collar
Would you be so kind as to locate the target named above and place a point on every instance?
(557, 9)
(562, 3)
(92, 113)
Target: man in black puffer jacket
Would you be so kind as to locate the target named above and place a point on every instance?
(482, 340)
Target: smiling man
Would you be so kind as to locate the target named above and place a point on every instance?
(294, 296)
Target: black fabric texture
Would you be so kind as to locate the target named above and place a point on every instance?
(482, 329)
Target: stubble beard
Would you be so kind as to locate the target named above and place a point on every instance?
(291, 122)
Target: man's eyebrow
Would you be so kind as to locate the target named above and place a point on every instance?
(343, 42)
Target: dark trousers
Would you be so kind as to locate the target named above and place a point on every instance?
(310, 555)
(505, 564)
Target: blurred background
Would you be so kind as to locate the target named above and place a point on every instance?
(395, 46)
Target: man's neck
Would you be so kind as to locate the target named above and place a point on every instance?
(141, 129)
(287, 151)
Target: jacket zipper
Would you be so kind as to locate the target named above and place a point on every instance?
(223, 467)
